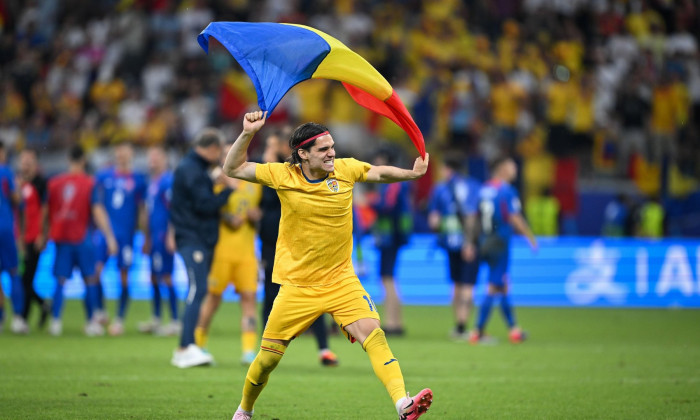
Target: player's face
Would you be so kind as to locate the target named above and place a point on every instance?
(123, 155)
(283, 150)
(271, 149)
(321, 156)
(156, 161)
(27, 164)
(380, 160)
(212, 154)
(510, 170)
(446, 172)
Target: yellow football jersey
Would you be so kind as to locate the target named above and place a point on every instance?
(314, 246)
(239, 243)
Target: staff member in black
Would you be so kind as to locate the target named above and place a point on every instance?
(194, 215)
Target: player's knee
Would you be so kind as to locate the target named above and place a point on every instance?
(267, 362)
(249, 323)
(200, 294)
(247, 298)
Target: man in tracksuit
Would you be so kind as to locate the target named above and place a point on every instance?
(195, 218)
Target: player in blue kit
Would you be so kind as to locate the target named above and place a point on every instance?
(9, 200)
(122, 192)
(499, 215)
(159, 242)
(452, 207)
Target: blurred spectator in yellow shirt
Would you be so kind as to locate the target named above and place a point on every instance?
(12, 104)
(582, 120)
(463, 112)
(508, 45)
(641, 19)
(664, 120)
(570, 50)
(88, 135)
(483, 58)
(309, 100)
(558, 97)
(347, 120)
(109, 92)
(507, 99)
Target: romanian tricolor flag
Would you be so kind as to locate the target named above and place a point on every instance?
(277, 56)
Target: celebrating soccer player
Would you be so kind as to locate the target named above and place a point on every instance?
(277, 150)
(313, 262)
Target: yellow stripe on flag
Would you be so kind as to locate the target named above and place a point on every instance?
(347, 66)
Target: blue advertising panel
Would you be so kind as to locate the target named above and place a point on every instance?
(568, 271)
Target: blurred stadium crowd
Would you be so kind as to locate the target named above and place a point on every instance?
(583, 93)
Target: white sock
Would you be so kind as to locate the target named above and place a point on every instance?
(250, 413)
(400, 403)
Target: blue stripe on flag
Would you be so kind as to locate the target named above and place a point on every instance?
(275, 56)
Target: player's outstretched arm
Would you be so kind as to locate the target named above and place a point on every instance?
(518, 222)
(388, 174)
(236, 164)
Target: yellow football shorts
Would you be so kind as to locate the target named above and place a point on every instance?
(241, 273)
(296, 308)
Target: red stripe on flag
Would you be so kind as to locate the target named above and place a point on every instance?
(393, 109)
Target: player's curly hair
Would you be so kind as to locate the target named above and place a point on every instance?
(302, 133)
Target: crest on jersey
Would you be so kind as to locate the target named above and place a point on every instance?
(332, 184)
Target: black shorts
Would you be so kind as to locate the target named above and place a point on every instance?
(462, 272)
(387, 260)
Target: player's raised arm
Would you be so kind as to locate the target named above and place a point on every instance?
(388, 174)
(236, 164)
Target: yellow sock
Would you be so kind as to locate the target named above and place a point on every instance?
(265, 362)
(201, 336)
(385, 366)
(248, 341)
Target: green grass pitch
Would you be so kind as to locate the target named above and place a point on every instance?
(578, 364)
